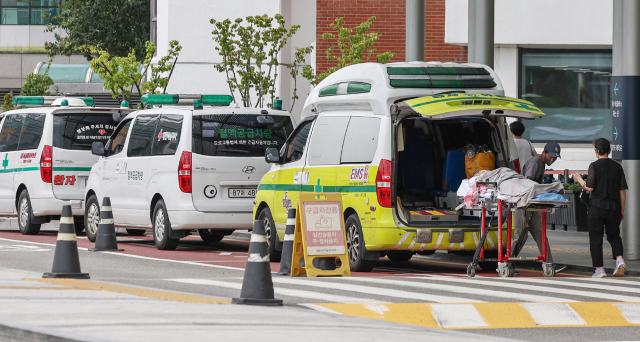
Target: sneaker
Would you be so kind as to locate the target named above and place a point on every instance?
(599, 273)
(620, 268)
(562, 268)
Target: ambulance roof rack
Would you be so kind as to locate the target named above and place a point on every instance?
(185, 99)
(51, 101)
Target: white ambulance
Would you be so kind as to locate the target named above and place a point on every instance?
(45, 149)
(179, 168)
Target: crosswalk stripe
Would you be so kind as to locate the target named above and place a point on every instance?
(610, 280)
(505, 282)
(282, 291)
(553, 314)
(320, 308)
(631, 312)
(466, 290)
(575, 284)
(457, 316)
(375, 291)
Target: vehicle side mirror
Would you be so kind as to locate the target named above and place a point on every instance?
(272, 155)
(97, 148)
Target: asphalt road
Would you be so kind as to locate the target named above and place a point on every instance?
(431, 292)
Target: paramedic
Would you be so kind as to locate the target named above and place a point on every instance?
(607, 184)
(524, 147)
(534, 169)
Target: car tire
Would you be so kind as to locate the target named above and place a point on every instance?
(162, 228)
(25, 212)
(92, 218)
(78, 222)
(271, 233)
(399, 256)
(355, 246)
(210, 235)
(136, 232)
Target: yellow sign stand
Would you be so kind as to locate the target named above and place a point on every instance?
(319, 233)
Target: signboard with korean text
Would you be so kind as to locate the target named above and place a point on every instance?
(319, 233)
(626, 117)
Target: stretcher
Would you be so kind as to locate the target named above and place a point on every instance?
(505, 259)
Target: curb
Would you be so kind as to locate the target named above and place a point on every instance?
(40, 333)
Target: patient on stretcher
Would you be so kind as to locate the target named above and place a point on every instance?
(512, 187)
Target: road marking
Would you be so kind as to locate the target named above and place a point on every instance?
(35, 288)
(319, 308)
(509, 283)
(157, 294)
(612, 281)
(465, 290)
(583, 285)
(375, 291)
(457, 316)
(631, 312)
(280, 291)
(553, 314)
(22, 248)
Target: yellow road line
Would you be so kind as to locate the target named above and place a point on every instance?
(96, 286)
(567, 250)
(495, 315)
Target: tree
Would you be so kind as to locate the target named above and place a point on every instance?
(299, 67)
(250, 54)
(351, 48)
(113, 26)
(8, 105)
(122, 74)
(38, 85)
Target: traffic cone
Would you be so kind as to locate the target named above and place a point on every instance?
(287, 245)
(257, 286)
(66, 263)
(106, 236)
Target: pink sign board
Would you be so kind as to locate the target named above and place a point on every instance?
(324, 229)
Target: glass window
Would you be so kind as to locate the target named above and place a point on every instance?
(10, 133)
(142, 136)
(326, 142)
(573, 89)
(238, 135)
(31, 131)
(79, 131)
(361, 141)
(28, 12)
(297, 143)
(168, 134)
(116, 144)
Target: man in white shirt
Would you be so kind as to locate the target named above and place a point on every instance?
(525, 149)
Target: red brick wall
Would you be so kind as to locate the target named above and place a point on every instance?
(389, 24)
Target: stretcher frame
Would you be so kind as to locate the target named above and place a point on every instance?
(506, 260)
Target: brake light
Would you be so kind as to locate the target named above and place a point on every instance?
(383, 183)
(45, 164)
(516, 163)
(184, 172)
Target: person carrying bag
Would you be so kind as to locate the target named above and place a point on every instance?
(607, 184)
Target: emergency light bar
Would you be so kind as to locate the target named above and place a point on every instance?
(185, 99)
(345, 88)
(51, 101)
(439, 77)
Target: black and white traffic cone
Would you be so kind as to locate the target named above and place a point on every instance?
(257, 286)
(287, 245)
(66, 263)
(106, 235)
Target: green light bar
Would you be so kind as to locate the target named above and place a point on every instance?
(217, 100)
(159, 99)
(88, 100)
(437, 77)
(345, 89)
(28, 101)
(330, 90)
(358, 87)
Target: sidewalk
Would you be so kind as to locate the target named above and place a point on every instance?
(34, 309)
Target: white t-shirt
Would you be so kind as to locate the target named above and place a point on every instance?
(525, 150)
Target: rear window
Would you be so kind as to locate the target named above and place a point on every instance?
(79, 131)
(238, 135)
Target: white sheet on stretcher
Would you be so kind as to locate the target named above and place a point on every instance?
(465, 187)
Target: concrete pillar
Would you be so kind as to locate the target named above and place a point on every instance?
(414, 40)
(481, 22)
(626, 42)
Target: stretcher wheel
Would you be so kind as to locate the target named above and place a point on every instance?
(503, 270)
(548, 270)
(512, 271)
(471, 271)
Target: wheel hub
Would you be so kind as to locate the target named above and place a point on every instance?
(159, 225)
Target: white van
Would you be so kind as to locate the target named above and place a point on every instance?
(390, 138)
(46, 156)
(175, 169)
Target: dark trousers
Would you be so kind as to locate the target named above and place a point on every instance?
(601, 220)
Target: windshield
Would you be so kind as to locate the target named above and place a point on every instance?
(238, 135)
(79, 131)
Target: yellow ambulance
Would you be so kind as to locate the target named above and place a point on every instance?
(391, 139)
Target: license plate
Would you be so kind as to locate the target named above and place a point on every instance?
(242, 193)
